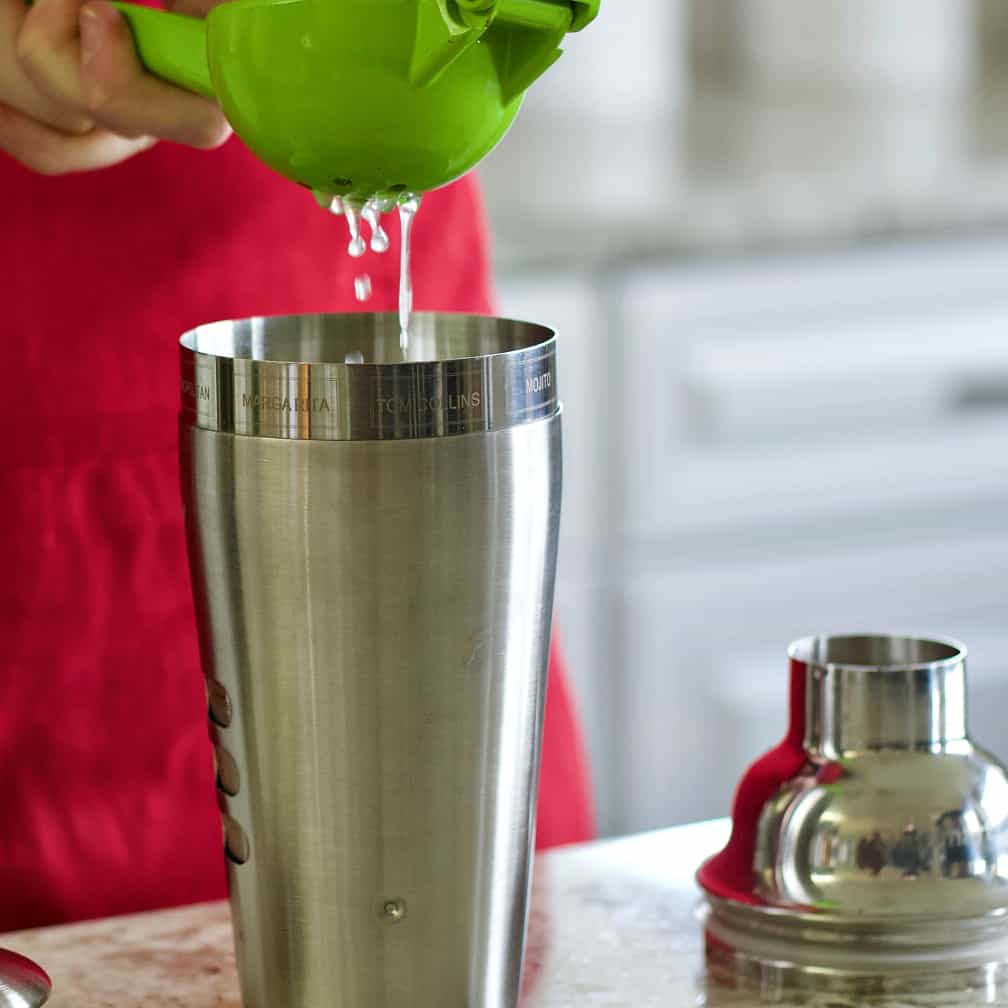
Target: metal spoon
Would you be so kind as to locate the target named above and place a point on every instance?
(23, 984)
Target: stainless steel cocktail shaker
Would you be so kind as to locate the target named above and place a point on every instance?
(871, 846)
(373, 548)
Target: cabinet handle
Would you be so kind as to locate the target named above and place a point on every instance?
(981, 396)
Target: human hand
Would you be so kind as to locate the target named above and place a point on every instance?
(74, 96)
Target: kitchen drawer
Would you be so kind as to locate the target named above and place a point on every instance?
(861, 385)
(822, 381)
(859, 282)
(888, 481)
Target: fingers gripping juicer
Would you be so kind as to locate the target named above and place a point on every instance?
(361, 98)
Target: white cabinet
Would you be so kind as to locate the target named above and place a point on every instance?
(759, 451)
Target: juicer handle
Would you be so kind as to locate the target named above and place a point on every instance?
(170, 46)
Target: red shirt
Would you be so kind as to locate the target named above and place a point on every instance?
(108, 802)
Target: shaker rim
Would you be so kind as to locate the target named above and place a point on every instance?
(344, 377)
(954, 652)
(189, 340)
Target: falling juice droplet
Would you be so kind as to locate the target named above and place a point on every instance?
(362, 287)
(379, 239)
(409, 204)
(357, 246)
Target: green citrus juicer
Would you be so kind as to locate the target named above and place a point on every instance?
(359, 98)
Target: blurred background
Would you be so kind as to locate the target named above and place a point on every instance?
(774, 237)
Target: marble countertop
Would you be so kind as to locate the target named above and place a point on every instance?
(613, 925)
(732, 172)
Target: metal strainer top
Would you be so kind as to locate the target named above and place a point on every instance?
(23, 984)
(888, 848)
